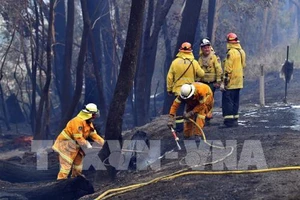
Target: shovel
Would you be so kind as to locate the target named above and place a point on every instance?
(175, 137)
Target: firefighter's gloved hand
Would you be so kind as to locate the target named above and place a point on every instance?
(188, 115)
(222, 87)
(171, 121)
(217, 85)
(88, 145)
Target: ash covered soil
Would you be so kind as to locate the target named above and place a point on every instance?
(267, 137)
(275, 127)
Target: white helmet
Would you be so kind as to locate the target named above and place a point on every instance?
(91, 108)
(187, 91)
(205, 42)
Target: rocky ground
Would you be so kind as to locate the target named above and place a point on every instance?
(266, 138)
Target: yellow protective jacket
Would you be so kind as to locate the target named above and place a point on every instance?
(178, 75)
(74, 135)
(234, 65)
(203, 96)
(211, 65)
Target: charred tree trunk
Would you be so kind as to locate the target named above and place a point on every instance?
(43, 114)
(187, 32)
(80, 65)
(146, 68)
(5, 116)
(59, 47)
(108, 51)
(66, 82)
(125, 79)
(190, 18)
(35, 60)
(167, 99)
(211, 17)
(95, 93)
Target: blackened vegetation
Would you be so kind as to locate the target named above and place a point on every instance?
(139, 141)
(68, 189)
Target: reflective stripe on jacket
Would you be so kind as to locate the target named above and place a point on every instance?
(73, 136)
(202, 96)
(211, 65)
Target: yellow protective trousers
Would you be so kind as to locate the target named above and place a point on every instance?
(66, 167)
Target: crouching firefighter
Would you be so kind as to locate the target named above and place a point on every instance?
(199, 103)
(69, 142)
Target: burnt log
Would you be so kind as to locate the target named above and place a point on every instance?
(67, 189)
(13, 172)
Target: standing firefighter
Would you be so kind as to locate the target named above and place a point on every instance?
(199, 102)
(233, 79)
(211, 65)
(69, 142)
(184, 69)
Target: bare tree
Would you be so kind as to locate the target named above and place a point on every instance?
(148, 54)
(125, 79)
(80, 65)
(43, 114)
(66, 81)
(211, 17)
(187, 32)
(59, 47)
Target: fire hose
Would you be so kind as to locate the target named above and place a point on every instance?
(186, 171)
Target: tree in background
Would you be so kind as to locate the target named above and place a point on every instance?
(187, 33)
(143, 79)
(125, 79)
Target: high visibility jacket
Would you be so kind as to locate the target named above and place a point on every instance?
(234, 65)
(202, 96)
(73, 136)
(184, 69)
(211, 65)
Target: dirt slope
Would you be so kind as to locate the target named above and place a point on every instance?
(270, 134)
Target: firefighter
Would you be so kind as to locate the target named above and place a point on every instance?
(184, 69)
(199, 102)
(70, 141)
(234, 65)
(211, 65)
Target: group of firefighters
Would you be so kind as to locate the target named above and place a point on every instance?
(191, 82)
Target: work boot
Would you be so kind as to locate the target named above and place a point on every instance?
(197, 139)
(207, 121)
(235, 123)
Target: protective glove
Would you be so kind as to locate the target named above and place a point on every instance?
(217, 85)
(222, 87)
(188, 115)
(88, 145)
(171, 121)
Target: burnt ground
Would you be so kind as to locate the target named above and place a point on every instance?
(267, 137)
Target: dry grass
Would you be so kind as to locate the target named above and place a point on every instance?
(272, 60)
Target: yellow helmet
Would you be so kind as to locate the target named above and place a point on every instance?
(89, 111)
